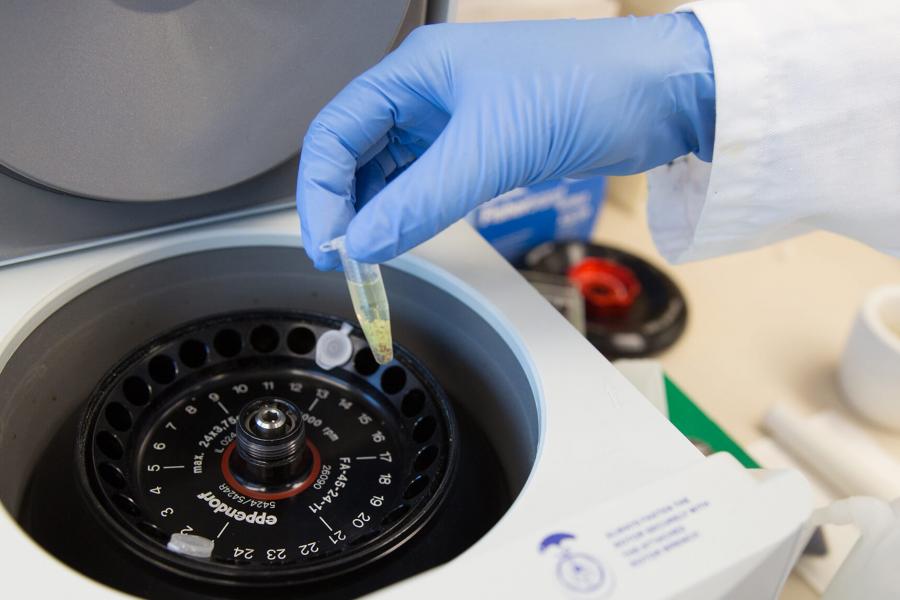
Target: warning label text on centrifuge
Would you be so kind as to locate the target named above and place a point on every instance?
(657, 532)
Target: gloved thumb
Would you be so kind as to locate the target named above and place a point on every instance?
(435, 191)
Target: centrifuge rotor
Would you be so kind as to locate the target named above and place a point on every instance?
(221, 452)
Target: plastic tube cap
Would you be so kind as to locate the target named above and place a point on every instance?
(191, 545)
(334, 348)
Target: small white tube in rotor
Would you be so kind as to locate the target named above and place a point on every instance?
(191, 545)
(334, 347)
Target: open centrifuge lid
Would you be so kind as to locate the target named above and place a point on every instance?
(112, 109)
(137, 100)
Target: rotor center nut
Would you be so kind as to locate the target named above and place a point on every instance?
(269, 421)
(270, 442)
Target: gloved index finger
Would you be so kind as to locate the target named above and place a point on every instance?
(350, 128)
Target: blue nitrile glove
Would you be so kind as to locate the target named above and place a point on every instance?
(479, 109)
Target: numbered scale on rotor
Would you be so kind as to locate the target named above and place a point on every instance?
(222, 451)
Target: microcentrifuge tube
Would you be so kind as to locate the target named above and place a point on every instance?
(369, 300)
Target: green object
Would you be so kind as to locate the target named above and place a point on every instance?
(699, 428)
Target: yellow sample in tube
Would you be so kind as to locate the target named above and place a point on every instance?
(369, 301)
(371, 307)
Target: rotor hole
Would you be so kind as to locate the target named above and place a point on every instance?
(415, 487)
(193, 353)
(109, 445)
(425, 458)
(393, 380)
(364, 362)
(395, 515)
(162, 369)
(136, 391)
(413, 403)
(111, 475)
(118, 416)
(227, 343)
(424, 429)
(301, 340)
(153, 531)
(363, 538)
(126, 505)
(264, 339)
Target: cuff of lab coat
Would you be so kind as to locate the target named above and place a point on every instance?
(698, 210)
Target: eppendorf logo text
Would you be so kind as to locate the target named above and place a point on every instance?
(217, 506)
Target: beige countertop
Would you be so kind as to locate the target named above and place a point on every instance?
(764, 326)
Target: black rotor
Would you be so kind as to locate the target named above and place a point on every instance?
(221, 452)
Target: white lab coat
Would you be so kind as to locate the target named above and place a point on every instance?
(807, 130)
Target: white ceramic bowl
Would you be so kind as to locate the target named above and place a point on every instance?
(870, 368)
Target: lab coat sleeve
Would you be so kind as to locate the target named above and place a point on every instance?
(807, 130)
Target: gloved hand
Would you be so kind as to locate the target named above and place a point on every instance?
(461, 113)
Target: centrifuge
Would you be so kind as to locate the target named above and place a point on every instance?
(168, 427)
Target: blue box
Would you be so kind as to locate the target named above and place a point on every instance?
(523, 218)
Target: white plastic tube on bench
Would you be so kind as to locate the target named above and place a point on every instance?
(840, 452)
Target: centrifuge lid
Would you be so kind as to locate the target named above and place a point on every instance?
(141, 100)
